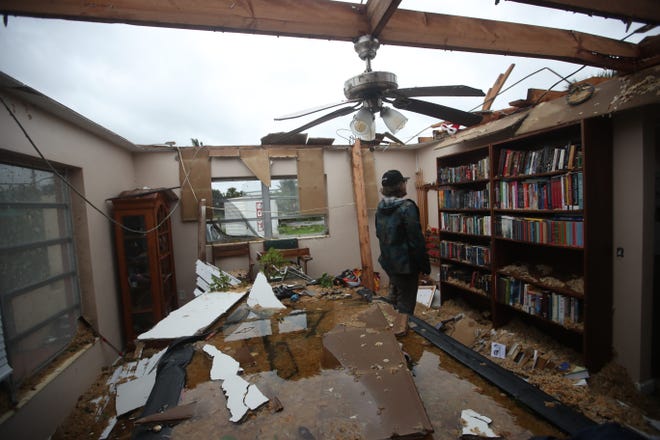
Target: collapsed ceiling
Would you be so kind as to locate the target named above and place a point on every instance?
(332, 20)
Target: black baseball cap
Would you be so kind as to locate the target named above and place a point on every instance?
(392, 177)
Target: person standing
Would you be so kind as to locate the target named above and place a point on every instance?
(402, 246)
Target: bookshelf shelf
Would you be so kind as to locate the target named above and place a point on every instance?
(547, 204)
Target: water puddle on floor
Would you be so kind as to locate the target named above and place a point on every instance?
(326, 396)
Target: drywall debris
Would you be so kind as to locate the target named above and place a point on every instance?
(262, 294)
(241, 395)
(134, 393)
(112, 421)
(194, 316)
(476, 424)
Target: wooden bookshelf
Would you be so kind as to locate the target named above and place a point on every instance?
(533, 215)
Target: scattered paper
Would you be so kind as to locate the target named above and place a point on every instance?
(194, 316)
(425, 295)
(262, 294)
(476, 424)
(498, 350)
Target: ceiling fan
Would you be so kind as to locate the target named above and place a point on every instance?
(368, 92)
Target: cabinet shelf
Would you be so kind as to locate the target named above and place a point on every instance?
(578, 329)
(465, 263)
(541, 285)
(533, 243)
(538, 175)
(547, 216)
(466, 288)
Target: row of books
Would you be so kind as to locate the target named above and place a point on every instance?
(464, 173)
(432, 244)
(562, 192)
(465, 224)
(557, 231)
(463, 198)
(468, 253)
(470, 278)
(535, 301)
(543, 160)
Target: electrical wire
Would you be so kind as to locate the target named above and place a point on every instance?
(78, 192)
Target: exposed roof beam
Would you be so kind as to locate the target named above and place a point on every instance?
(645, 11)
(344, 21)
(297, 18)
(437, 31)
(379, 12)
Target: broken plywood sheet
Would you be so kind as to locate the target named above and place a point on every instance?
(312, 192)
(376, 360)
(241, 395)
(193, 317)
(262, 294)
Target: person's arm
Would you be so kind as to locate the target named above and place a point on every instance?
(416, 239)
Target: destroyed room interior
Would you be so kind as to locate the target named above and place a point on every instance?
(236, 291)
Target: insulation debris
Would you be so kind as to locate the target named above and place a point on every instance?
(241, 395)
(262, 295)
(194, 316)
(476, 424)
(134, 393)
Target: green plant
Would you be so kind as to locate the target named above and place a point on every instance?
(326, 281)
(220, 283)
(271, 261)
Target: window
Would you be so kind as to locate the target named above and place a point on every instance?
(247, 209)
(39, 297)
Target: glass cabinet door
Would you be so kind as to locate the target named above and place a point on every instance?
(136, 256)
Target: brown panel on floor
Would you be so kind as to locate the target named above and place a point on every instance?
(375, 359)
(311, 181)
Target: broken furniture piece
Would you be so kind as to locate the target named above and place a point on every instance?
(289, 250)
(228, 250)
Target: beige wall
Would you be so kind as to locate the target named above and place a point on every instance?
(100, 170)
(103, 170)
(633, 232)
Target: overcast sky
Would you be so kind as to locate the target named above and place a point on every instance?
(152, 85)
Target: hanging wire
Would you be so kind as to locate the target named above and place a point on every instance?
(78, 192)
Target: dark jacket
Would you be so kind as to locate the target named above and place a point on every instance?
(402, 244)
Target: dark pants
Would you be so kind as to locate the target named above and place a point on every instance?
(403, 292)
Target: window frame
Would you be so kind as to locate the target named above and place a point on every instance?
(266, 196)
(69, 298)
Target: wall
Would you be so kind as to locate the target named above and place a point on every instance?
(633, 233)
(101, 170)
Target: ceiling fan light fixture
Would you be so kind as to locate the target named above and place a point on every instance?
(363, 125)
(394, 119)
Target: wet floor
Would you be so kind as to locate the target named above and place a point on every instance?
(284, 355)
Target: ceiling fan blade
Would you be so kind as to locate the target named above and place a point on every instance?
(335, 114)
(309, 111)
(437, 111)
(457, 90)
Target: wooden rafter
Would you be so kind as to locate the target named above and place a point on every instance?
(645, 11)
(379, 12)
(333, 20)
